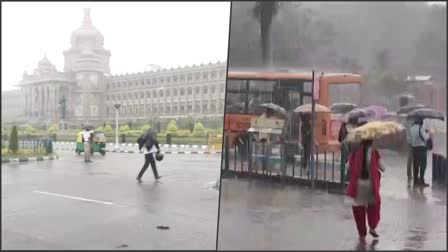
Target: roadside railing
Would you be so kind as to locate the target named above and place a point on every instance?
(265, 160)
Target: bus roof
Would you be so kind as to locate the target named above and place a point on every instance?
(286, 76)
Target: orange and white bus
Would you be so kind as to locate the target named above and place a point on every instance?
(247, 90)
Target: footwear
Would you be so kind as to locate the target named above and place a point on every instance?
(422, 183)
(373, 233)
(158, 177)
(416, 183)
(139, 179)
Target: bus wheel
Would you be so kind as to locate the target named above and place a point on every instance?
(103, 153)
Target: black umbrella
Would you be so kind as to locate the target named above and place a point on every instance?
(342, 108)
(88, 127)
(426, 113)
(276, 108)
(410, 108)
(358, 113)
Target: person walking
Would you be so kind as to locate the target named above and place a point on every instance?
(363, 188)
(151, 147)
(419, 137)
(306, 140)
(87, 139)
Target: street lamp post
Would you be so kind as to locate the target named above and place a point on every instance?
(117, 107)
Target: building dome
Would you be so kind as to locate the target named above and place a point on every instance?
(87, 32)
(45, 66)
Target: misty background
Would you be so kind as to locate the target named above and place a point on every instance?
(355, 36)
(138, 34)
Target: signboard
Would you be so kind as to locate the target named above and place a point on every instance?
(267, 123)
(335, 125)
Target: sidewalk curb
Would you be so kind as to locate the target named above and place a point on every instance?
(140, 152)
(29, 159)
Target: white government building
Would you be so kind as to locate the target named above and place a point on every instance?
(90, 91)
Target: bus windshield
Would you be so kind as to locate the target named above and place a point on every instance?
(246, 96)
(347, 92)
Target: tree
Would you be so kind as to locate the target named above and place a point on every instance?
(99, 129)
(145, 127)
(13, 140)
(108, 130)
(53, 129)
(124, 128)
(29, 130)
(172, 128)
(190, 123)
(199, 130)
(264, 12)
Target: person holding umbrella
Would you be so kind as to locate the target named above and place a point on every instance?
(421, 141)
(365, 166)
(87, 137)
(418, 137)
(151, 144)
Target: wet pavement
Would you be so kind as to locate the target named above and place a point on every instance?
(68, 204)
(265, 215)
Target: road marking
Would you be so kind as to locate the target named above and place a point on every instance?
(71, 197)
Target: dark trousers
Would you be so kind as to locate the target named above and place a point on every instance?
(419, 154)
(149, 159)
(306, 156)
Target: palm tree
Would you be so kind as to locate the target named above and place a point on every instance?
(265, 11)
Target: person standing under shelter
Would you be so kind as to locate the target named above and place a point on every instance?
(410, 159)
(419, 137)
(87, 137)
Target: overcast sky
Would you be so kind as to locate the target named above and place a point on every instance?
(136, 33)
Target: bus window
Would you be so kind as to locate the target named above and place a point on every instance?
(259, 92)
(347, 92)
(236, 96)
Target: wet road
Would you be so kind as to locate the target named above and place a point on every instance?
(264, 215)
(67, 204)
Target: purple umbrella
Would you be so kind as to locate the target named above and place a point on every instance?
(377, 110)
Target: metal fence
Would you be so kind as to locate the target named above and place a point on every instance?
(38, 146)
(265, 160)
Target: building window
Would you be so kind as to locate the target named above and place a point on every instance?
(160, 93)
(142, 83)
(205, 75)
(175, 78)
(190, 77)
(213, 89)
(174, 91)
(197, 89)
(190, 90)
(162, 80)
(205, 89)
(167, 79)
(167, 92)
(182, 91)
(130, 96)
(141, 95)
(213, 75)
(148, 82)
(107, 86)
(182, 78)
(197, 76)
(154, 94)
(148, 94)
(136, 96)
(204, 107)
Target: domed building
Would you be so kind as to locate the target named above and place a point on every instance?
(86, 92)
